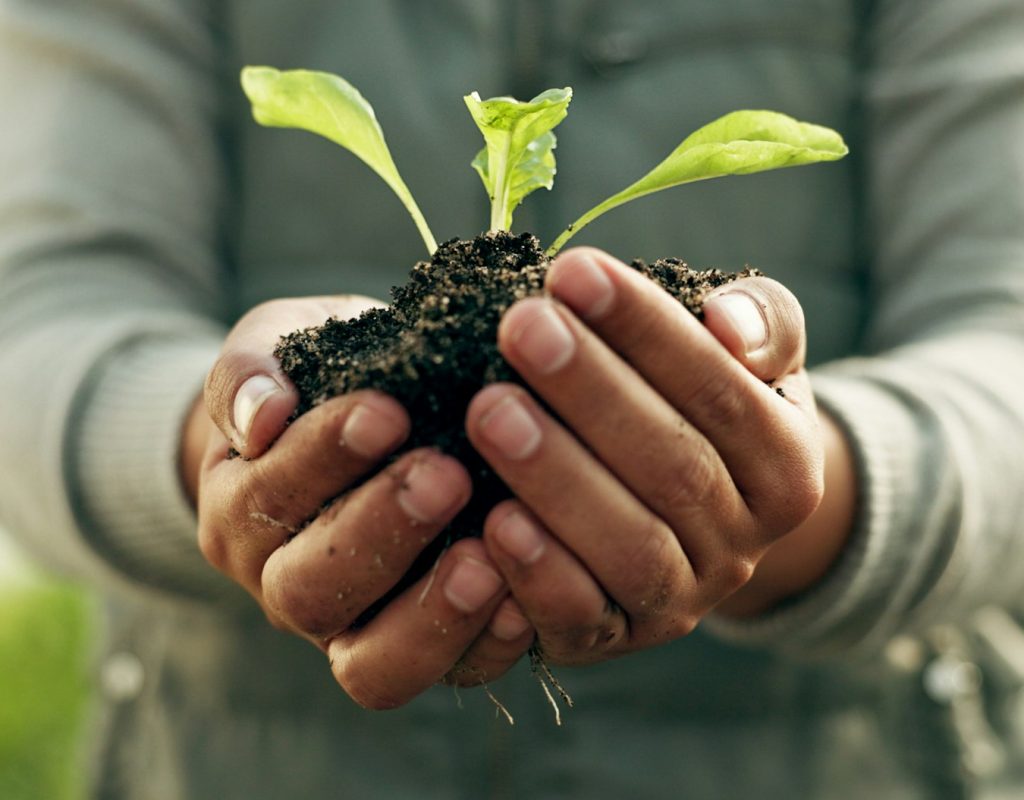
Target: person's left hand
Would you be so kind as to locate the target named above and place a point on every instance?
(674, 467)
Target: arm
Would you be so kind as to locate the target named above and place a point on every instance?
(110, 294)
(932, 410)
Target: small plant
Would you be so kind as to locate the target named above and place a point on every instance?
(518, 157)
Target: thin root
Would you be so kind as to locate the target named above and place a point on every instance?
(431, 579)
(544, 675)
(498, 707)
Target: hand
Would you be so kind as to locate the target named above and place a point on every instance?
(674, 469)
(286, 523)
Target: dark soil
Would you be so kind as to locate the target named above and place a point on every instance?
(435, 346)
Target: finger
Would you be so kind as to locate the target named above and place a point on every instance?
(634, 555)
(664, 461)
(247, 509)
(496, 650)
(697, 375)
(354, 553)
(761, 323)
(419, 636)
(574, 619)
(247, 395)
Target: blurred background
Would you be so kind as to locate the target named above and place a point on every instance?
(46, 626)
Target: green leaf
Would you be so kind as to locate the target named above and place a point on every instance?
(328, 105)
(739, 143)
(519, 154)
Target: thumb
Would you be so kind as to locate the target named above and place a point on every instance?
(761, 323)
(247, 395)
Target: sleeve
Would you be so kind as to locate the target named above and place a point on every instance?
(935, 408)
(111, 192)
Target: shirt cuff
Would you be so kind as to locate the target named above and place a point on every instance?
(124, 462)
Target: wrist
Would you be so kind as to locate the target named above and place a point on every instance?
(803, 557)
(194, 436)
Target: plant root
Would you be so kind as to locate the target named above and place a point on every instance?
(498, 706)
(542, 672)
(432, 578)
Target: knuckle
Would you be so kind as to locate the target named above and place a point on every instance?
(675, 626)
(794, 500)
(581, 643)
(736, 573)
(805, 498)
(275, 621)
(607, 636)
(723, 406)
(727, 575)
(213, 548)
(587, 640)
(683, 625)
(655, 564)
(295, 598)
(364, 688)
(692, 484)
(256, 503)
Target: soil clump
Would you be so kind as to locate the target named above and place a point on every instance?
(435, 346)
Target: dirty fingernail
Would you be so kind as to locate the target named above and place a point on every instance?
(747, 318)
(508, 623)
(369, 433)
(427, 494)
(584, 287)
(541, 336)
(510, 428)
(520, 538)
(250, 397)
(471, 584)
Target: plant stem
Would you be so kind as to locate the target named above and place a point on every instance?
(421, 222)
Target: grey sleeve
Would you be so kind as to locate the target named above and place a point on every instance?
(111, 186)
(935, 409)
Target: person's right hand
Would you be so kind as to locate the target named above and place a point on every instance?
(285, 523)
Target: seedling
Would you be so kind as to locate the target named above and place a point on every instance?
(519, 157)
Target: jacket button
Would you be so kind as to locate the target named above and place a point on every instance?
(948, 678)
(122, 677)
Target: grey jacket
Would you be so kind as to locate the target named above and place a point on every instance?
(141, 212)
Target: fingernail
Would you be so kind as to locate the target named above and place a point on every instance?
(746, 316)
(508, 624)
(541, 337)
(510, 428)
(427, 493)
(520, 538)
(584, 287)
(369, 433)
(471, 584)
(250, 397)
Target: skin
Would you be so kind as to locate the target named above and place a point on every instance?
(683, 490)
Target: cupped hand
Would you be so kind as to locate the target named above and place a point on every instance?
(308, 523)
(681, 451)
